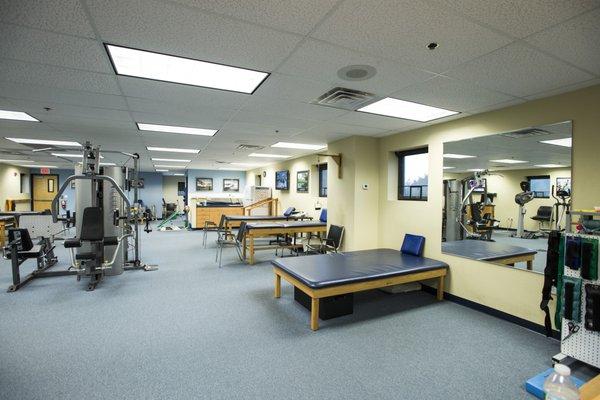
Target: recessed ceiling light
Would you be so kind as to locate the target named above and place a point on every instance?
(509, 161)
(44, 142)
(288, 145)
(406, 110)
(229, 169)
(476, 169)
(176, 129)
(458, 156)
(242, 164)
(17, 116)
(169, 166)
(69, 155)
(107, 164)
(173, 150)
(178, 174)
(549, 165)
(171, 160)
(566, 142)
(15, 161)
(162, 170)
(263, 155)
(449, 167)
(162, 67)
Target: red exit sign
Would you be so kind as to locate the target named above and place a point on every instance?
(44, 171)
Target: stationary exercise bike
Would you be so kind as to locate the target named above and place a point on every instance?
(521, 199)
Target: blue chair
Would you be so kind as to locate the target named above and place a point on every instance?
(289, 211)
(413, 244)
(323, 216)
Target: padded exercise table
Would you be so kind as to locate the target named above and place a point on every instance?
(498, 253)
(256, 230)
(334, 274)
(236, 219)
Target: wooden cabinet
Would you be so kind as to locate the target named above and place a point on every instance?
(213, 214)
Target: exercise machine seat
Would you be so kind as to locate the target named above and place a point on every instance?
(289, 211)
(413, 244)
(544, 214)
(323, 216)
(26, 249)
(92, 228)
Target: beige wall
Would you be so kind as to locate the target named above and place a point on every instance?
(516, 292)
(291, 198)
(10, 185)
(169, 187)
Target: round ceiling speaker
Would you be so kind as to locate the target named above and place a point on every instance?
(357, 72)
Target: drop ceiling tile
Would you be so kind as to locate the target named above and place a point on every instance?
(191, 96)
(292, 109)
(321, 61)
(157, 112)
(173, 29)
(373, 121)
(260, 122)
(575, 41)
(337, 129)
(401, 30)
(58, 77)
(65, 16)
(291, 88)
(298, 16)
(497, 106)
(33, 45)
(564, 89)
(518, 70)
(517, 17)
(38, 93)
(66, 111)
(450, 94)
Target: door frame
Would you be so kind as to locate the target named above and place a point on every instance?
(31, 175)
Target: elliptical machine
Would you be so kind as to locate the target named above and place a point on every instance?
(562, 205)
(521, 199)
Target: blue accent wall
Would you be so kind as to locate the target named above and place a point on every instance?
(217, 177)
(152, 193)
(63, 174)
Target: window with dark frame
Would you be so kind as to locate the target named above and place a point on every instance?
(540, 186)
(322, 180)
(413, 174)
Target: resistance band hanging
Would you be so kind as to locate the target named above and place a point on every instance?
(592, 307)
(573, 253)
(559, 279)
(589, 259)
(571, 299)
(550, 276)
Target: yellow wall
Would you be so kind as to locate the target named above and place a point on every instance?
(169, 189)
(291, 198)
(516, 292)
(10, 185)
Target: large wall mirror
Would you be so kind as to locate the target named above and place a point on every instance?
(503, 193)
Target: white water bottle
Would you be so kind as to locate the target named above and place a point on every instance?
(559, 385)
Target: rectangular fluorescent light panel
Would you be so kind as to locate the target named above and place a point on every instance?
(17, 116)
(178, 174)
(68, 155)
(549, 165)
(457, 156)
(107, 164)
(171, 160)
(176, 129)
(162, 67)
(566, 142)
(476, 169)
(509, 161)
(169, 166)
(229, 169)
(162, 170)
(44, 142)
(263, 155)
(288, 145)
(449, 167)
(406, 110)
(16, 161)
(40, 166)
(173, 150)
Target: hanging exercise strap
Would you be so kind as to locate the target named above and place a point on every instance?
(550, 277)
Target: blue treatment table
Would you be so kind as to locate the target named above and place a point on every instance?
(490, 251)
(335, 274)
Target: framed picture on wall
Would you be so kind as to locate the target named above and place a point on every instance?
(204, 184)
(302, 181)
(563, 187)
(231, 185)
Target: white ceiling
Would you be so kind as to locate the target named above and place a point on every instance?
(500, 147)
(491, 54)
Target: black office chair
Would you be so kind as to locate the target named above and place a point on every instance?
(543, 215)
(330, 244)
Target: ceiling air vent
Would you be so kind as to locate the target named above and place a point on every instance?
(529, 132)
(346, 99)
(249, 147)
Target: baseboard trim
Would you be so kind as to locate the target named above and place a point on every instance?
(493, 312)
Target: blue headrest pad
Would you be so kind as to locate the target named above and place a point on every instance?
(413, 244)
(288, 211)
(323, 216)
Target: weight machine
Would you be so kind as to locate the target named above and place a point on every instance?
(482, 224)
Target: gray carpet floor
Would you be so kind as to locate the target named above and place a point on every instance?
(193, 331)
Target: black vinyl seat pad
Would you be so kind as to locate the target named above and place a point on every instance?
(335, 269)
(290, 224)
(484, 251)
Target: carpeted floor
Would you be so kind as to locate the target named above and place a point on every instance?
(193, 331)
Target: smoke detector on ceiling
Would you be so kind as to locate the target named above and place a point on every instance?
(346, 99)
